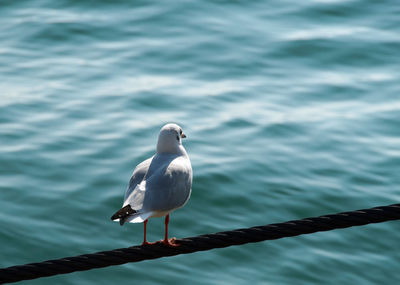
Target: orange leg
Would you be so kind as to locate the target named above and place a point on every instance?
(145, 242)
(166, 241)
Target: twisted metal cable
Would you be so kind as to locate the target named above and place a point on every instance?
(200, 243)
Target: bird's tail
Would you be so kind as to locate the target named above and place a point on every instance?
(123, 213)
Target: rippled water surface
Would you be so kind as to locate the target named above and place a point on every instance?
(291, 108)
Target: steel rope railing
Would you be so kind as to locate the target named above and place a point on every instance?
(200, 243)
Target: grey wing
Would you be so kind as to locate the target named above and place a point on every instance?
(170, 187)
(137, 177)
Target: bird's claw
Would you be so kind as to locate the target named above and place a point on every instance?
(172, 242)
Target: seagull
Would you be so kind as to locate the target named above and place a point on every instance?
(160, 184)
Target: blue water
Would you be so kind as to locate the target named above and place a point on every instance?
(292, 110)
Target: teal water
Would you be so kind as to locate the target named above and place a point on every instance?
(291, 110)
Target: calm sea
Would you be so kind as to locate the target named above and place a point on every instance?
(291, 108)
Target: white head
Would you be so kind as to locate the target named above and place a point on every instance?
(170, 139)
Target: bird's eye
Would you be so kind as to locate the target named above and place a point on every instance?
(180, 131)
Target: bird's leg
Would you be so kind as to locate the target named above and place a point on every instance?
(145, 242)
(166, 228)
(166, 241)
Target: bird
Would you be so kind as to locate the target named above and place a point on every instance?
(159, 184)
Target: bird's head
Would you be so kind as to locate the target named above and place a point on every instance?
(170, 139)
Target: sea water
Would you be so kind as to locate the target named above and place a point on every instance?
(291, 110)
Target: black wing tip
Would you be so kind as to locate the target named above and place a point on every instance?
(123, 213)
